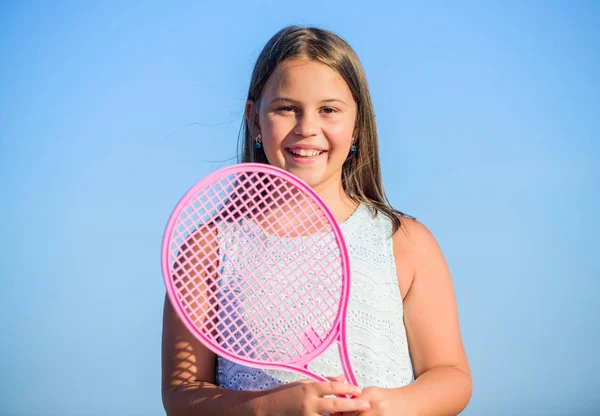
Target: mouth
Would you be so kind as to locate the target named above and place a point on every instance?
(304, 153)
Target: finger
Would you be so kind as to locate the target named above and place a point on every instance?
(340, 379)
(333, 388)
(340, 405)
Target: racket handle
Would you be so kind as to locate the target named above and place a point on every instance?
(345, 359)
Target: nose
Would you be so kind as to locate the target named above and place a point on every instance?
(307, 124)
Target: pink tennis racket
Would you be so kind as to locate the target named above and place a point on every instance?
(256, 267)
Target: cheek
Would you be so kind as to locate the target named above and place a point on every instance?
(276, 128)
(341, 133)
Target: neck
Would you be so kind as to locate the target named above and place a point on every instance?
(336, 199)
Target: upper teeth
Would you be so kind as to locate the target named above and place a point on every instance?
(303, 152)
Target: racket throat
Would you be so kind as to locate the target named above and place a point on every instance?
(310, 340)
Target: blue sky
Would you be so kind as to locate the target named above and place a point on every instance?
(488, 116)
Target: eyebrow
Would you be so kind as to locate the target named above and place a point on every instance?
(286, 99)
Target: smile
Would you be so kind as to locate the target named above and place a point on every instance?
(305, 152)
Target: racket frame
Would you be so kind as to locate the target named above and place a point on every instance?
(338, 331)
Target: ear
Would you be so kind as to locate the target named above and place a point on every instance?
(251, 114)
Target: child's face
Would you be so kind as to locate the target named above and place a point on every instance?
(307, 119)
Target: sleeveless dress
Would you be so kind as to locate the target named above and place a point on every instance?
(375, 329)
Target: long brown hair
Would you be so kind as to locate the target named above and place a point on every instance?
(361, 172)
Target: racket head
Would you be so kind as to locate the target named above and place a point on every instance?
(226, 308)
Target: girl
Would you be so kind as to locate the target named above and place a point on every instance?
(309, 112)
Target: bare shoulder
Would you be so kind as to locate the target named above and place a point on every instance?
(415, 236)
(414, 245)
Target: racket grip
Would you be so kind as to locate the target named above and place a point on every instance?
(345, 359)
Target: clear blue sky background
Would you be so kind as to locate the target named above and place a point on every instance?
(488, 114)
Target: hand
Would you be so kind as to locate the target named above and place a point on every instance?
(307, 398)
(384, 402)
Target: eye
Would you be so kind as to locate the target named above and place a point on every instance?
(330, 110)
(285, 109)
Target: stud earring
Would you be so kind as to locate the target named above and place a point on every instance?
(353, 148)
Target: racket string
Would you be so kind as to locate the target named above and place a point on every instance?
(257, 322)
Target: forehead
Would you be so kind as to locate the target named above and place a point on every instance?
(306, 79)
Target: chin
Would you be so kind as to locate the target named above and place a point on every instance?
(311, 180)
(310, 177)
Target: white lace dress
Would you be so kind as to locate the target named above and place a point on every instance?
(375, 328)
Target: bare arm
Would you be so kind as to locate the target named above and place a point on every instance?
(443, 377)
(188, 376)
(188, 367)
